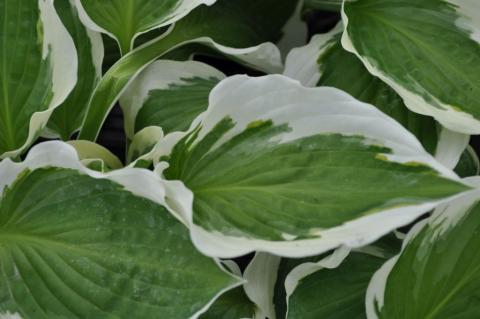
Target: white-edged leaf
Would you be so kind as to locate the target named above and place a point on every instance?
(247, 29)
(323, 62)
(76, 243)
(168, 94)
(295, 171)
(38, 67)
(436, 275)
(95, 156)
(397, 40)
(124, 20)
(67, 118)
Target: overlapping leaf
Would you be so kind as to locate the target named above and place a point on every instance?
(124, 20)
(323, 62)
(437, 273)
(168, 94)
(38, 66)
(67, 118)
(270, 168)
(398, 41)
(237, 28)
(75, 243)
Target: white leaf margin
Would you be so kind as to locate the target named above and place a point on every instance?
(97, 56)
(261, 276)
(244, 99)
(160, 75)
(58, 42)
(443, 218)
(302, 65)
(450, 117)
(140, 182)
(294, 277)
(185, 7)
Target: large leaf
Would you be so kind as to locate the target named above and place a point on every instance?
(67, 118)
(124, 20)
(237, 28)
(75, 243)
(270, 168)
(437, 274)
(323, 62)
(168, 94)
(38, 68)
(428, 51)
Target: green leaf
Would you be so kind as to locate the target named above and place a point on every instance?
(67, 118)
(323, 62)
(236, 28)
(469, 165)
(125, 20)
(271, 169)
(233, 304)
(168, 94)
(335, 293)
(38, 66)
(80, 244)
(437, 273)
(398, 41)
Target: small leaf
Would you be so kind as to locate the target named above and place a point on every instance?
(236, 28)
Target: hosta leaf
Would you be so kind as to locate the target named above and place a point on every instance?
(75, 243)
(428, 51)
(92, 155)
(323, 62)
(437, 274)
(67, 118)
(255, 298)
(234, 304)
(469, 165)
(333, 292)
(38, 68)
(237, 28)
(125, 20)
(168, 94)
(336, 293)
(270, 168)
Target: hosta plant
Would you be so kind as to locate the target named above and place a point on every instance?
(271, 166)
